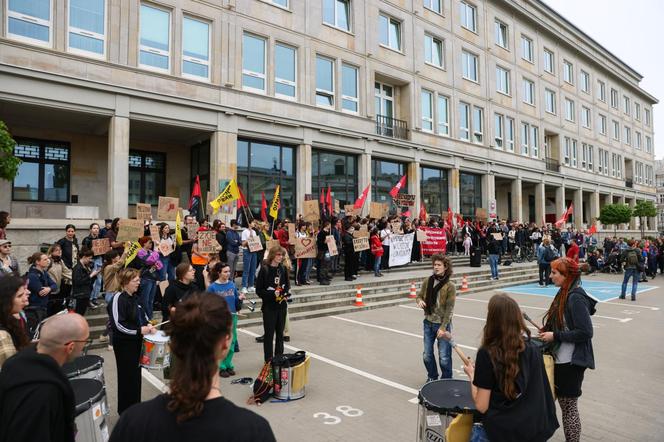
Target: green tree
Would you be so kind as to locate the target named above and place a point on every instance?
(615, 214)
(8, 162)
(644, 209)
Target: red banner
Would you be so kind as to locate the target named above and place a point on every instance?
(436, 241)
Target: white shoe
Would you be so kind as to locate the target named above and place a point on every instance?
(252, 289)
(243, 291)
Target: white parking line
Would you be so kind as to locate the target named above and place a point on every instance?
(456, 315)
(154, 380)
(645, 289)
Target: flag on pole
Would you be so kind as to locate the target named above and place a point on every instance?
(329, 201)
(195, 205)
(359, 203)
(178, 229)
(276, 204)
(593, 230)
(263, 207)
(398, 186)
(321, 202)
(566, 215)
(459, 219)
(230, 193)
(406, 213)
(423, 211)
(450, 217)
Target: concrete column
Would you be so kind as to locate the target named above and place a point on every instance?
(118, 167)
(488, 190)
(578, 208)
(414, 178)
(453, 190)
(540, 203)
(304, 179)
(621, 200)
(594, 209)
(634, 222)
(560, 202)
(517, 203)
(223, 166)
(364, 178)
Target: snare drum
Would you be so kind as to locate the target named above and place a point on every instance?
(91, 410)
(440, 402)
(289, 382)
(85, 367)
(156, 353)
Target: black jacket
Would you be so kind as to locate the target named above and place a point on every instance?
(578, 310)
(36, 400)
(347, 242)
(272, 277)
(176, 292)
(67, 253)
(124, 312)
(81, 282)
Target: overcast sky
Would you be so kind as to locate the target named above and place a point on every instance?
(633, 30)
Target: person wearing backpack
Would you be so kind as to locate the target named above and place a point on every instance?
(633, 263)
(545, 254)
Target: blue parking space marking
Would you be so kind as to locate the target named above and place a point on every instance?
(602, 290)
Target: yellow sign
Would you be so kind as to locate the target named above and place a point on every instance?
(274, 207)
(131, 250)
(178, 229)
(230, 193)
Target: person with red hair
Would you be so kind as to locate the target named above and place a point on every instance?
(569, 330)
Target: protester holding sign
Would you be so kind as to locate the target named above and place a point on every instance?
(386, 239)
(83, 277)
(167, 270)
(148, 263)
(248, 259)
(350, 256)
(323, 257)
(376, 251)
(199, 259)
(304, 265)
(97, 263)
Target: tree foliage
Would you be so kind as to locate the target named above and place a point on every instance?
(8, 162)
(615, 214)
(644, 209)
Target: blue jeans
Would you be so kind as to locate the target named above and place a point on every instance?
(249, 269)
(479, 434)
(167, 270)
(634, 274)
(146, 293)
(96, 286)
(493, 263)
(377, 264)
(444, 352)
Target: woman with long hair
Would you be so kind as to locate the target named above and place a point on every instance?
(195, 408)
(273, 287)
(508, 381)
(83, 277)
(569, 329)
(437, 297)
(167, 271)
(127, 338)
(69, 245)
(62, 276)
(13, 331)
(40, 285)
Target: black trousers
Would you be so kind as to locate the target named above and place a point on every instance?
(127, 356)
(274, 322)
(82, 305)
(544, 272)
(33, 316)
(350, 264)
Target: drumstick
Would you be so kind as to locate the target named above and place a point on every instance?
(162, 323)
(465, 359)
(527, 318)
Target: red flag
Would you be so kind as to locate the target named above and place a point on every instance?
(566, 215)
(593, 230)
(423, 211)
(263, 207)
(329, 200)
(406, 213)
(195, 208)
(359, 203)
(459, 219)
(241, 202)
(450, 217)
(397, 188)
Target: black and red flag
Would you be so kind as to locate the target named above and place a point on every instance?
(263, 207)
(195, 202)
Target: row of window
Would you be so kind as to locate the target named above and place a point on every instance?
(643, 173)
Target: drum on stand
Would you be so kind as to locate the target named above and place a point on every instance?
(440, 402)
(156, 352)
(91, 410)
(85, 367)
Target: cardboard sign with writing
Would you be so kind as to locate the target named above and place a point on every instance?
(331, 245)
(349, 210)
(154, 233)
(395, 226)
(272, 243)
(254, 243)
(166, 248)
(192, 227)
(377, 210)
(130, 229)
(101, 246)
(143, 211)
(336, 206)
(207, 242)
(361, 243)
(305, 248)
(311, 211)
(167, 208)
(497, 236)
(421, 235)
(291, 233)
(362, 232)
(401, 247)
(480, 213)
(404, 199)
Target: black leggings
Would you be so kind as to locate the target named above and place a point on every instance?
(274, 322)
(127, 356)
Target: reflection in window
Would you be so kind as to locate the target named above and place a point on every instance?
(339, 171)
(284, 71)
(470, 193)
(44, 173)
(384, 176)
(253, 63)
(30, 20)
(155, 38)
(147, 177)
(87, 26)
(195, 48)
(433, 186)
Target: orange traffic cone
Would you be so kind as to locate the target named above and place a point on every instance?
(358, 297)
(464, 284)
(413, 291)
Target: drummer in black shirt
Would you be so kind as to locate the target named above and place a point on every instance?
(509, 384)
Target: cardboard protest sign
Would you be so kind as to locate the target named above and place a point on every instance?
(311, 210)
(349, 210)
(101, 246)
(305, 248)
(143, 211)
(331, 245)
(421, 235)
(192, 227)
(361, 243)
(166, 248)
(207, 242)
(167, 208)
(480, 213)
(291, 233)
(404, 199)
(336, 206)
(497, 236)
(362, 232)
(401, 247)
(378, 210)
(254, 243)
(272, 243)
(435, 242)
(130, 229)
(154, 233)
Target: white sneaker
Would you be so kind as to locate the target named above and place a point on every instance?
(252, 289)
(243, 291)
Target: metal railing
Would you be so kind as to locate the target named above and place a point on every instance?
(391, 127)
(552, 165)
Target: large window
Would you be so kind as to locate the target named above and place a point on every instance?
(584, 79)
(509, 134)
(195, 49)
(263, 166)
(433, 50)
(527, 49)
(470, 64)
(550, 101)
(601, 90)
(585, 117)
(498, 130)
(427, 110)
(337, 170)
(390, 32)
(147, 176)
(384, 176)
(502, 80)
(324, 81)
(549, 62)
(155, 42)
(464, 121)
(253, 63)
(434, 190)
(44, 172)
(87, 27)
(528, 92)
(434, 5)
(501, 34)
(285, 83)
(30, 20)
(200, 165)
(568, 72)
(443, 115)
(337, 13)
(349, 88)
(468, 15)
(470, 193)
(570, 112)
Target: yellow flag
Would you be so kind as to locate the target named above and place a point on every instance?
(230, 193)
(131, 250)
(178, 229)
(274, 207)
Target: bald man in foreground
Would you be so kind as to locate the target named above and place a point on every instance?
(36, 399)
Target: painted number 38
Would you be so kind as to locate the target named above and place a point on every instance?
(346, 410)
